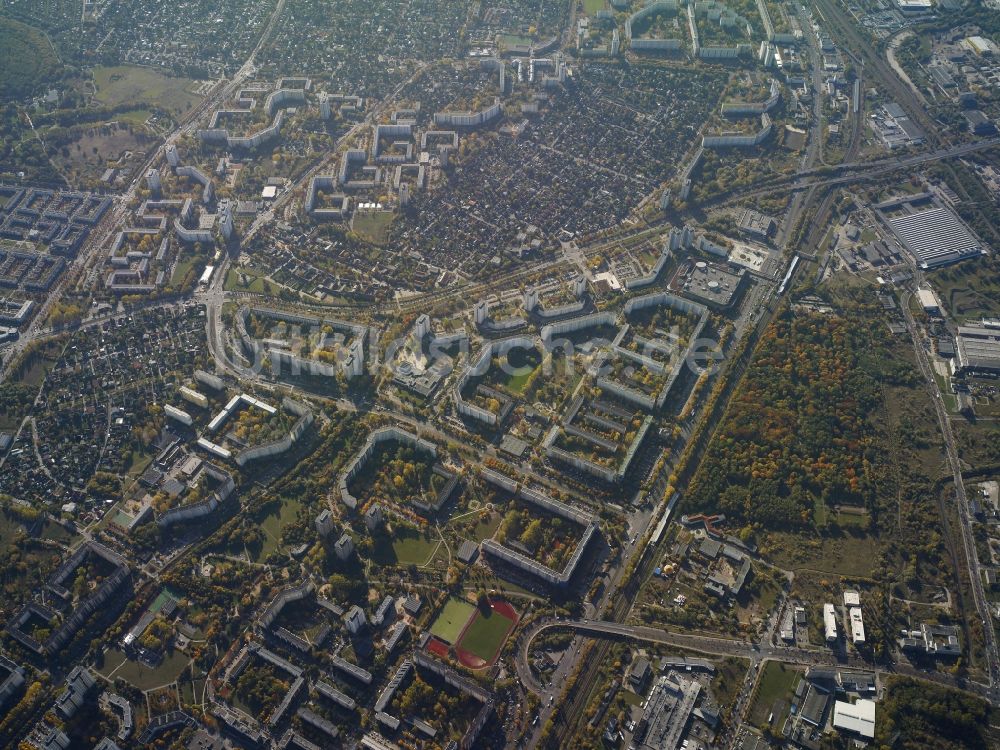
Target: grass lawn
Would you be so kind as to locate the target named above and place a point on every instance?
(406, 546)
(191, 692)
(949, 398)
(526, 363)
(37, 363)
(116, 664)
(486, 635)
(55, 531)
(245, 280)
(487, 526)
(510, 40)
(185, 264)
(34, 374)
(493, 583)
(137, 463)
(516, 383)
(121, 84)
(776, 683)
(448, 625)
(373, 226)
(8, 531)
(848, 554)
(135, 116)
(631, 698)
(969, 290)
(410, 546)
(9, 528)
(272, 525)
(590, 7)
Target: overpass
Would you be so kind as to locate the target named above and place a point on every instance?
(711, 645)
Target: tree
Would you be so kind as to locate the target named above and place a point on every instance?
(532, 535)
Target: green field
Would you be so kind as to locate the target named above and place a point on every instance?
(526, 363)
(186, 264)
(373, 226)
(411, 547)
(448, 625)
(486, 527)
(848, 554)
(485, 635)
(509, 40)
(590, 7)
(776, 684)
(11, 527)
(124, 84)
(27, 60)
(272, 525)
(971, 289)
(116, 664)
(405, 546)
(245, 280)
(134, 117)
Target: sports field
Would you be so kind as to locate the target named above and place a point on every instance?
(485, 635)
(453, 618)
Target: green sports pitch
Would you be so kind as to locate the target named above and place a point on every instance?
(448, 626)
(486, 634)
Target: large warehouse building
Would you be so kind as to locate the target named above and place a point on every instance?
(977, 350)
(932, 234)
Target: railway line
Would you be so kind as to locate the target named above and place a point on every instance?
(622, 602)
(878, 69)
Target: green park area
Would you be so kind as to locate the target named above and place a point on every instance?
(408, 546)
(116, 664)
(373, 226)
(279, 516)
(970, 290)
(521, 365)
(448, 625)
(126, 84)
(776, 685)
(246, 280)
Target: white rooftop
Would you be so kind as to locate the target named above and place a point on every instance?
(858, 717)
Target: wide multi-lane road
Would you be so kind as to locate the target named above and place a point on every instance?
(712, 645)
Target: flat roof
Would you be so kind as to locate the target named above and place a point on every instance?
(813, 706)
(977, 353)
(934, 236)
(858, 717)
(708, 282)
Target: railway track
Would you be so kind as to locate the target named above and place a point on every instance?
(579, 693)
(863, 48)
